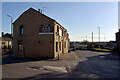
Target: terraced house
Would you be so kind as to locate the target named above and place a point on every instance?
(36, 35)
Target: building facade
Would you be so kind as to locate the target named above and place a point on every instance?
(36, 35)
(118, 39)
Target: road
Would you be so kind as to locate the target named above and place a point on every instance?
(77, 64)
(101, 64)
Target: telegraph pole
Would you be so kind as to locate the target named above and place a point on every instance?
(99, 35)
(92, 37)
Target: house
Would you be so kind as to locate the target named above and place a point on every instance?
(76, 45)
(36, 35)
(5, 41)
(111, 44)
(118, 39)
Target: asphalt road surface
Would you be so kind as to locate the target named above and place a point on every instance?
(102, 64)
(77, 64)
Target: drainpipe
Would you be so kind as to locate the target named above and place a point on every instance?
(58, 46)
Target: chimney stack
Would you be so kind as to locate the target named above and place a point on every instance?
(39, 10)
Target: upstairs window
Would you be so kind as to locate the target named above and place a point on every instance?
(21, 30)
(56, 46)
(60, 32)
(57, 28)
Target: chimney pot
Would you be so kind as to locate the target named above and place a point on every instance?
(41, 11)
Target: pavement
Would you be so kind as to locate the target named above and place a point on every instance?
(77, 64)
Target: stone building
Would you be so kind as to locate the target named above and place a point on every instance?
(36, 35)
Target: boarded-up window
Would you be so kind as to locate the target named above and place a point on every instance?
(20, 46)
(56, 46)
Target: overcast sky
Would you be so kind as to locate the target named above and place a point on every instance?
(79, 18)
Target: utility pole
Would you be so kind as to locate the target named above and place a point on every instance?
(92, 37)
(99, 35)
(44, 8)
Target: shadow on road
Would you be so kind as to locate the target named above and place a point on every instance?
(9, 60)
(102, 66)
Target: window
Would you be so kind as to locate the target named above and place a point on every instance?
(60, 32)
(60, 46)
(57, 28)
(21, 30)
(3, 42)
(20, 46)
(56, 46)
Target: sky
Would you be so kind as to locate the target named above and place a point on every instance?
(79, 18)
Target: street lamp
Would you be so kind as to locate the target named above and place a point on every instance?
(11, 23)
(11, 33)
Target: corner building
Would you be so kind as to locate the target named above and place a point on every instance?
(36, 35)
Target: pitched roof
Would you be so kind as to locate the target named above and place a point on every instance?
(35, 11)
(39, 13)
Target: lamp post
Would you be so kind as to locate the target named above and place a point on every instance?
(11, 34)
(11, 23)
